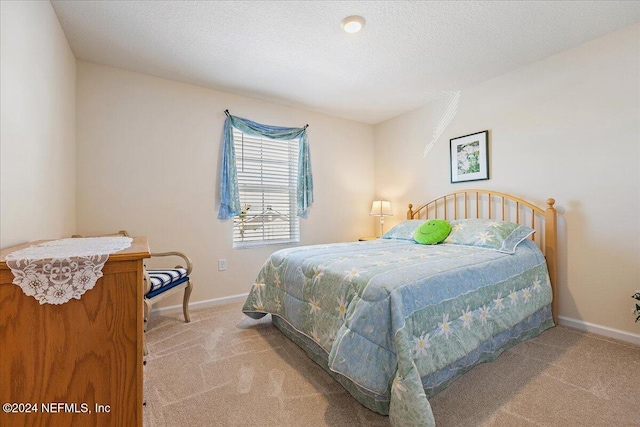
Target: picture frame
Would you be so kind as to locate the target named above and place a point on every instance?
(470, 157)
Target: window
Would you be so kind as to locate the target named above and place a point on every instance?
(267, 184)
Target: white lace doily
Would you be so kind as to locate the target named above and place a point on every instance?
(56, 271)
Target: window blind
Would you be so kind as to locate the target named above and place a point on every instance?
(267, 184)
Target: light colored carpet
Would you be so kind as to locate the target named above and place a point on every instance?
(224, 369)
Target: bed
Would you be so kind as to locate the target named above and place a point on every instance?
(394, 321)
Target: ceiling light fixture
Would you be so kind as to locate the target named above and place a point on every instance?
(352, 24)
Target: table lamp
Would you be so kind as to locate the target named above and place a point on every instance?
(381, 208)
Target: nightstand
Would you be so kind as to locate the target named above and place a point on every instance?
(364, 239)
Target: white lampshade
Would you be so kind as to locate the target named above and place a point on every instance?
(381, 208)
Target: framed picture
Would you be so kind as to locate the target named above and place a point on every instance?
(470, 157)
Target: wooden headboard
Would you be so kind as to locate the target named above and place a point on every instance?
(504, 207)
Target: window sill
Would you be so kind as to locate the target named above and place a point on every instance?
(249, 245)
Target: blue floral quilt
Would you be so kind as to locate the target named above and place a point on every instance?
(402, 320)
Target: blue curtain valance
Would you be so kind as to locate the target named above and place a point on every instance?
(229, 196)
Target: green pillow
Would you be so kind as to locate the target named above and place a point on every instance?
(432, 232)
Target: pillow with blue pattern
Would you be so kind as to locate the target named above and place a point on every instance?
(501, 236)
(404, 230)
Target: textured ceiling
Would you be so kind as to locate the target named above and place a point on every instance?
(295, 53)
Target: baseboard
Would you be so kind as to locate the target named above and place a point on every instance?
(201, 304)
(600, 330)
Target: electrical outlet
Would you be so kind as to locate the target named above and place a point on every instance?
(222, 264)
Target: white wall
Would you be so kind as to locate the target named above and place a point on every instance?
(37, 125)
(566, 127)
(148, 159)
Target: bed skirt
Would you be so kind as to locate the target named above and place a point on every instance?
(434, 383)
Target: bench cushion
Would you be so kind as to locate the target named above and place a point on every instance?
(165, 279)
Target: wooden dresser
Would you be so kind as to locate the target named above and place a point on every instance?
(78, 363)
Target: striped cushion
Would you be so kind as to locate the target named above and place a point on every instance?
(166, 277)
